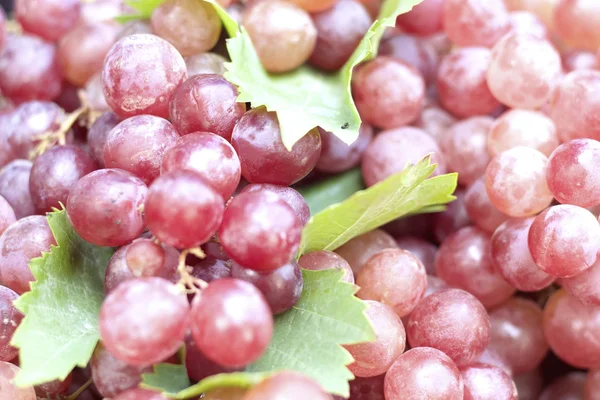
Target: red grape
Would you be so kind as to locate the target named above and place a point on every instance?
(205, 63)
(358, 250)
(94, 94)
(475, 22)
(211, 269)
(98, 133)
(323, 259)
(567, 387)
(486, 382)
(8, 217)
(424, 19)
(48, 19)
(10, 318)
(32, 118)
(592, 385)
(421, 249)
(287, 194)
(113, 376)
(14, 187)
(337, 156)
(529, 385)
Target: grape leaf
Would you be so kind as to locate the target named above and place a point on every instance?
(60, 329)
(338, 188)
(167, 378)
(404, 193)
(143, 9)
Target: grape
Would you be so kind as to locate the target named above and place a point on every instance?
(315, 6)
(14, 187)
(2, 27)
(577, 22)
(592, 385)
(235, 312)
(143, 321)
(452, 321)
(366, 388)
(451, 220)
(414, 51)
(337, 156)
(424, 19)
(339, 31)
(260, 231)
(135, 27)
(139, 394)
(435, 121)
(198, 366)
(54, 388)
(32, 118)
(29, 69)
(358, 250)
(206, 102)
(525, 22)
(434, 285)
(281, 287)
(191, 26)
(283, 34)
(515, 182)
(257, 140)
(391, 150)
(48, 19)
(464, 146)
(475, 22)
(175, 203)
(7, 215)
(575, 106)
(463, 261)
(210, 156)
(323, 259)
(113, 376)
(523, 71)
(376, 357)
(145, 258)
(94, 94)
(578, 59)
(522, 128)
(571, 174)
(54, 174)
(491, 357)
(421, 249)
(543, 9)
(511, 257)
(564, 240)
(213, 249)
(69, 101)
(287, 194)
(393, 277)
(211, 269)
(517, 334)
(480, 209)
(116, 217)
(485, 382)
(584, 286)
(388, 93)
(462, 85)
(529, 385)
(567, 387)
(405, 379)
(138, 144)
(100, 11)
(98, 133)
(140, 74)
(8, 389)
(288, 386)
(205, 63)
(27, 238)
(10, 318)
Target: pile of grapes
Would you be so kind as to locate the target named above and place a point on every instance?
(135, 131)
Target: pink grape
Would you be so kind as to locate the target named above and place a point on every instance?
(567, 387)
(135, 27)
(366, 388)
(336, 156)
(584, 286)
(480, 209)
(48, 19)
(388, 93)
(572, 177)
(274, 240)
(323, 259)
(10, 320)
(579, 59)
(462, 84)
(144, 321)
(517, 334)
(592, 385)
(434, 285)
(421, 249)
(198, 366)
(94, 94)
(113, 376)
(424, 19)
(116, 217)
(140, 74)
(7, 215)
(455, 217)
(257, 140)
(8, 389)
(208, 103)
(144, 257)
(515, 182)
(376, 357)
(529, 385)
(393, 277)
(486, 382)
(27, 238)
(138, 145)
(435, 121)
(577, 22)
(98, 134)
(209, 155)
(475, 23)
(33, 118)
(511, 256)
(288, 386)
(404, 379)
(564, 240)
(14, 187)
(414, 51)
(358, 250)
(100, 11)
(452, 321)
(464, 146)
(287, 194)
(525, 22)
(139, 394)
(54, 174)
(233, 311)
(463, 261)
(523, 71)
(211, 269)
(491, 357)
(175, 203)
(575, 105)
(205, 63)
(54, 388)
(391, 150)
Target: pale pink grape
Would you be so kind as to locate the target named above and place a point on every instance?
(480, 209)
(579, 59)
(435, 121)
(475, 22)
(525, 22)
(584, 286)
(486, 382)
(8, 389)
(358, 250)
(577, 22)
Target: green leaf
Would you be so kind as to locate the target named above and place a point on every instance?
(306, 98)
(307, 338)
(402, 194)
(167, 378)
(332, 190)
(144, 9)
(60, 329)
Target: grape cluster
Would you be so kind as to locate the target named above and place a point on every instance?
(135, 130)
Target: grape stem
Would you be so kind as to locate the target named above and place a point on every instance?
(49, 139)
(80, 390)
(188, 283)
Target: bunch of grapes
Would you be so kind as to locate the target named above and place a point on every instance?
(135, 130)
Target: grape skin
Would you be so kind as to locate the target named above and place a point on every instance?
(288, 386)
(10, 318)
(113, 376)
(323, 259)
(9, 391)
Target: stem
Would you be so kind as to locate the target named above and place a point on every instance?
(49, 139)
(188, 283)
(79, 391)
